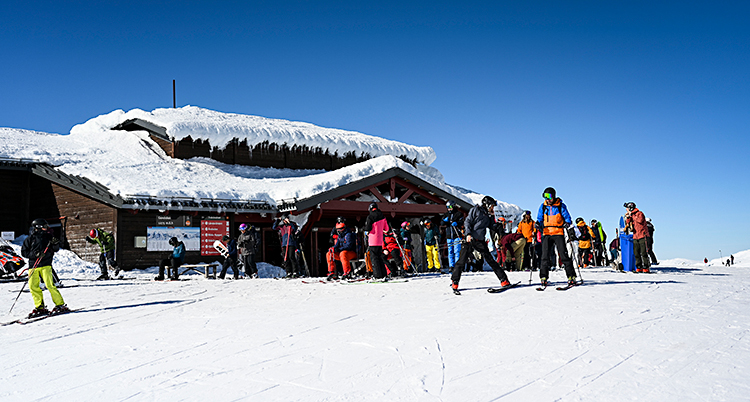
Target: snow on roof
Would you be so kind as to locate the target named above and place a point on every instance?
(220, 128)
(130, 163)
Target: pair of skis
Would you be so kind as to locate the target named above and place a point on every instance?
(561, 288)
(24, 321)
(491, 290)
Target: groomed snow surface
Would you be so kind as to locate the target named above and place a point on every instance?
(678, 334)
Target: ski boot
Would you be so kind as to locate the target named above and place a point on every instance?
(572, 281)
(331, 277)
(454, 287)
(61, 309)
(505, 283)
(38, 312)
(103, 277)
(159, 278)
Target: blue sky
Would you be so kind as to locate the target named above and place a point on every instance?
(638, 101)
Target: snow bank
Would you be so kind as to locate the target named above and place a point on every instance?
(220, 128)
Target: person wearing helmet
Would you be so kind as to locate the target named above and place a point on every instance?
(247, 244)
(584, 236)
(600, 241)
(432, 245)
(173, 262)
(453, 221)
(231, 260)
(106, 242)
(636, 220)
(527, 229)
(376, 226)
(408, 257)
(344, 249)
(39, 248)
(552, 219)
(287, 231)
(479, 219)
(393, 257)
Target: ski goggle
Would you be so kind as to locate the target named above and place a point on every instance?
(547, 196)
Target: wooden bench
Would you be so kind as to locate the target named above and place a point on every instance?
(207, 271)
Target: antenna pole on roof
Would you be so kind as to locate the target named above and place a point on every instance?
(174, 96)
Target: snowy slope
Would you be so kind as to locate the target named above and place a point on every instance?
(220, 128)
(678, 334)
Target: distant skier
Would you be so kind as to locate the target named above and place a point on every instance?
(173, 262)
(106, 242)
(600, 242)
(39, 248)
(344, 249)
(432, 245)
(376, 226)
(452, 221)
(408, 248)
(614, 248)
(479, 219)
(553, 217)
(287, 230)
(247, 244)
(705, 260)
(650, 242)
(230, 261)
(635, 219)
(527, 229)
(392, 252)
(731, 257)
(585, 235)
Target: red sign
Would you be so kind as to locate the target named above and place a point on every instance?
(210, 232)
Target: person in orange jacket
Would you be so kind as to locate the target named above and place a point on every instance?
(635, 219)
(527, 229)
(585, 257)
(553, 218)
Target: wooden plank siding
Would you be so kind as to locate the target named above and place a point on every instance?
(14, 204)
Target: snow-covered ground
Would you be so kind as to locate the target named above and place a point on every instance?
(678, 334)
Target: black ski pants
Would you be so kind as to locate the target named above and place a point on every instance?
(650, 245)
(107, 257)
(173, 264)
(640, 249)
(466, 250)
(548, 245)
(248, 261)
(377, 259)
(230, 262)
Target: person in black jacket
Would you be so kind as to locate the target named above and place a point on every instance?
(453, 221)
(247, 243)
(39, 248)
(480, 219)
(230, 261)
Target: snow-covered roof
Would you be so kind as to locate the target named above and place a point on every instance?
(220, 128)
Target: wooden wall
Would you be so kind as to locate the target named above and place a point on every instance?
(14, 202)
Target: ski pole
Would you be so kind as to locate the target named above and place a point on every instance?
(31, 272)
(403, 253)
(575, 258)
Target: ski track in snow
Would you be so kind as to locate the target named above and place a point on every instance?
(675, 335)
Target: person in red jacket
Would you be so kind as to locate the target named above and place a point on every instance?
(636, 220)
(511, 249)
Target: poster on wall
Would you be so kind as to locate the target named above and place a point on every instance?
(212, 230)
(157, 237)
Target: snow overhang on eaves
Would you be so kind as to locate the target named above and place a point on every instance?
(310, 202)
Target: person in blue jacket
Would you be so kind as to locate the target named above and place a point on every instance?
(174, 261)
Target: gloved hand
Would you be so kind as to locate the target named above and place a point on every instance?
(566, 225)
(454, 224)
(54, 241)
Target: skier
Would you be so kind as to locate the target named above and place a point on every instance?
(231, 260)
(526, 228)
(511, 248)
(247, 244)
(392, 252)
(287, 230)
(732, 258)
(431, 243)
(376, 226)
(614, 248)
(344, 249)
(635, 219)
(553, 218)
(174, 261)
(479, 219)
(650, 242)
(408, 248)
(452, 222)
(600, 241)
(106, 242)
(39, 249)
(585, 235)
